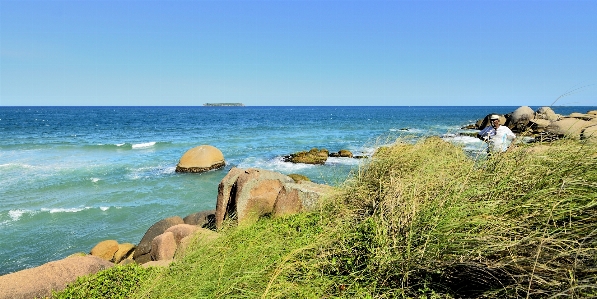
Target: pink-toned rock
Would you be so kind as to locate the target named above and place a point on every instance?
(182, 230)
(124, 250)
(163, 247)
(141, 254)
(299, 197)
(105, 249)
(248, 194)
(570, 127)
(39, 282)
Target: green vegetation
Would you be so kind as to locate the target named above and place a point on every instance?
(116, 282)
(417, 220)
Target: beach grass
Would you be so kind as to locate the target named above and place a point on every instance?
(417, 220)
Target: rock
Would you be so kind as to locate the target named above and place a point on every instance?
(519, 119)
(141, 254)
(105, 249)
(124, 251)
(298, 197)
(202, 234)
(570, 127)
(200, 159)
(342, 154)
(299, 177)
(206, 219)
(248, 194)
(546, 113)
(182, 230)
(313, 156)
(590, 134)
(163, 247)
(592, 112)
(485, 121)
(539, 124)
(39, 282)
(587, 117)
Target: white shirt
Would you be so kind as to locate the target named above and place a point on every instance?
(501, 140)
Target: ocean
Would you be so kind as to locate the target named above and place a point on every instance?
(71, 177)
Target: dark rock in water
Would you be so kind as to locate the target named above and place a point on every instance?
(342, 154)
(200, 159)
(314, 156)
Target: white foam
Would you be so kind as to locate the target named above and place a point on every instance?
(144, 145)
(104, 208)
(342, 161)
(15, 215)
(120, 144)
(95, 180)
(64, 210)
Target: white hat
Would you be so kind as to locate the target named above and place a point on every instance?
(494, 116)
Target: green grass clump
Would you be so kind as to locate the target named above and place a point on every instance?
(115, 282)
(429, 221)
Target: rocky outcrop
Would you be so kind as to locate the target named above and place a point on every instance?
(39, 282)
(313, 156)
(142, 253)
(342, 154)
(544, 124)
(247, 194)
(200, 159)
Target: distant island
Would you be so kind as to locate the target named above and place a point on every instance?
(223, 104)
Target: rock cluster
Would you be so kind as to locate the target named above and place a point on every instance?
(545, 125)
(247, 194)
(316, 156)
(244, 195)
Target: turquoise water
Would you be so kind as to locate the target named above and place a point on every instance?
(74, 176)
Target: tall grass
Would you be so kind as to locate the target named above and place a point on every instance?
(430, 221)
(417, 220)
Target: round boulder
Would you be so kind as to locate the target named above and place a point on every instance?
(546, 113)
(200, 159)
(520, 118)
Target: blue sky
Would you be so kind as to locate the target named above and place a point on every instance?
(386, 53)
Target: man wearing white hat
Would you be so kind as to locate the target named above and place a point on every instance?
(497, 136)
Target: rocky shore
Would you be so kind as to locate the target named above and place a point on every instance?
(244, 195)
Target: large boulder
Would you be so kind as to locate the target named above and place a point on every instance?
(163, 247)
(124, 251)
(546, 113)
(204, 219)
(569, 127)
(299, 197)
(590, 134)
(39, 282)
(182, 230)
(105, 249)
(248, 194)
(141, 254)
(519, 119)
(200, 159)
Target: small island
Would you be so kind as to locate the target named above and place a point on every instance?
(224, 104)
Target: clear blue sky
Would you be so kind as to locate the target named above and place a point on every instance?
(297, 52)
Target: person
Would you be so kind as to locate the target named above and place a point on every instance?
(498, 137)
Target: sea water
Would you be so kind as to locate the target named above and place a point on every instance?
(71, 177)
